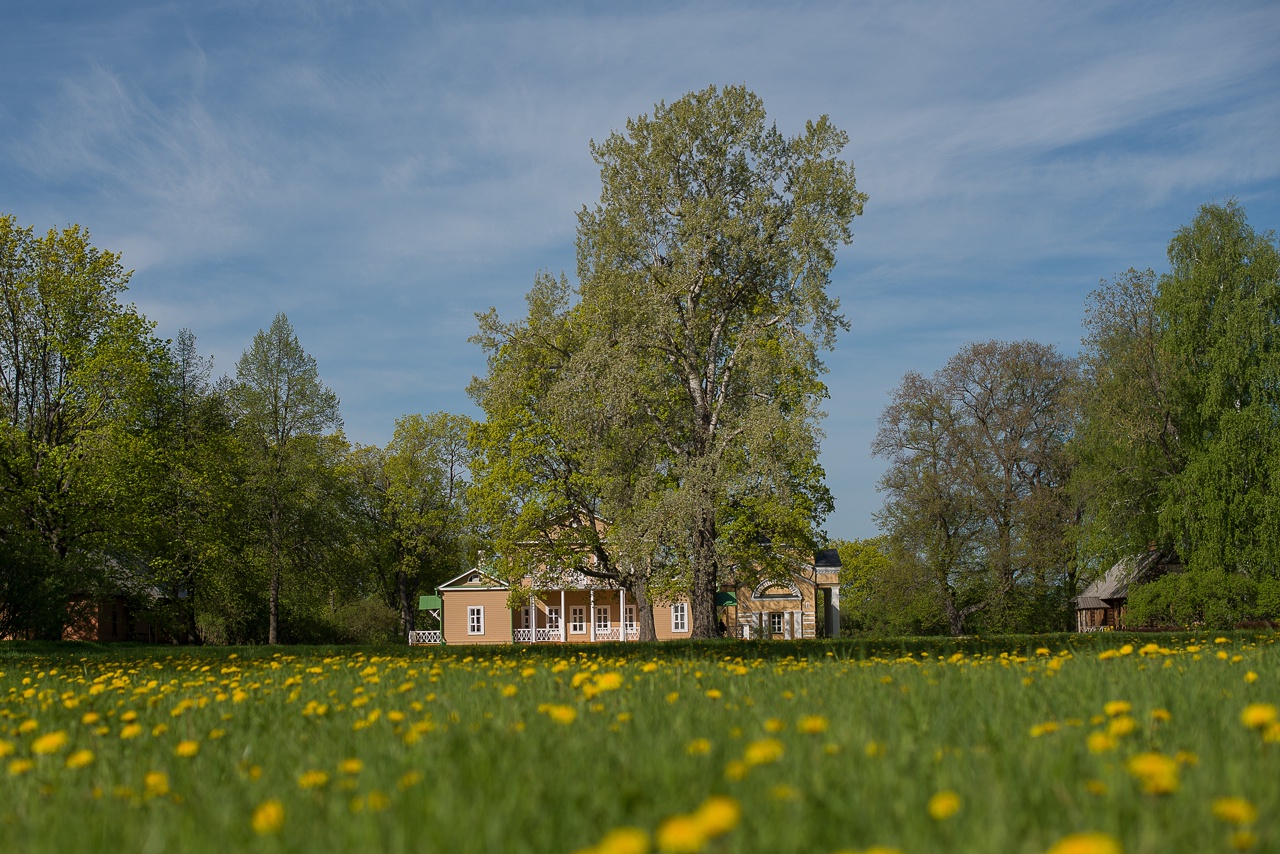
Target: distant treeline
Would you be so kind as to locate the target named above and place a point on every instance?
(1017, 475)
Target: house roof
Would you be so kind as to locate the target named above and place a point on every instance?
(486, 582)
(827, 559)
(1130, 570)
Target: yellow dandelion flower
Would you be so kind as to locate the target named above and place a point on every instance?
(1161, 715)
(1243, 840)
(1156, 773)
(736, 770)
(80, 759)
(20, 766)
(562, 714)
(874, 749)
(1258, 715)
(510, 690)
(1127, 649)
(268, 817)
(714, 694)
(608, 681)
(624, 840)
(1250, 677)
(1271, 734)
(1121, 726)
(408, 780)
(155, 784)
(681, 834)
(187, 749)
(6, 748)
(28, 726)
(313, 779)
(1235, 811)
(90, 718)
(1100, 742)
(944, 805)
(698, 747)
(378, 801)
(774, 725)
(131, 731)
(1117, 707)
(1086, 843)
(648, 667)
(718, 815)
(351, 766)
(673, 696)
(1095, 787)
(763, 752)
(49, 743)
(812, 725)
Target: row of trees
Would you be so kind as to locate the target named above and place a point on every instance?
(234, 508)
(670, 398)
(1016, 474)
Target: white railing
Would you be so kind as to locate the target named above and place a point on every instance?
(428, 636)
(545, 635)
(608, 634)
(524, 635)
(633, 632)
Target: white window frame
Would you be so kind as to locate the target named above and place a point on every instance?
(777, 623)
(603, 621)
(553, 617)
(680, 617)
(475, 619)
(577, 619)
(630, 619)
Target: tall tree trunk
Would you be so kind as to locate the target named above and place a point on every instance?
(644, 609)
(273, 635)
(705, 573)
(406, 612)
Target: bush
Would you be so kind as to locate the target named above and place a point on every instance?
(1215, 599)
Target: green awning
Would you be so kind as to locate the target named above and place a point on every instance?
(428, 603)
(726, 598)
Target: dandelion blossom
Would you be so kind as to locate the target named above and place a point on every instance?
(80, 759)
(681, 834)
(1155, 772)
(718, 815)
(624, 840)
(944, 805)
(1258, 715)
(1235, 811)
(49, 743)
(187, 749)
(1087, 843)
(268, 817)
(763, 752)
(812, 725)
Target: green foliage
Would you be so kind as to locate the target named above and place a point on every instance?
(1221, 304)
(977, 505)
(675, 394)
(884, 591)
(76, 366)
(1210, 599)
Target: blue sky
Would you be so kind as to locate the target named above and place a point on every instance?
(382, 171)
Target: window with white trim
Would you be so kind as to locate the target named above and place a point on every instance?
(524, 618)
(602, 618)
(553, 617)
(631, 618)
(680, 617)
(775, 622)
(578, 620)
(475, 619)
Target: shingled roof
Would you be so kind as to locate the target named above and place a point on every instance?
(1128, 571)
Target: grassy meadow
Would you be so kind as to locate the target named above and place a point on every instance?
(1099, 743)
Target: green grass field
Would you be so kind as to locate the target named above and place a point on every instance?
(1159, 743)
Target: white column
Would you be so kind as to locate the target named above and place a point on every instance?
(591, 613)
(533, 621)
(564, 615)
(622, 614)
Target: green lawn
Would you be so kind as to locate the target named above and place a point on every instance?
(820, 746)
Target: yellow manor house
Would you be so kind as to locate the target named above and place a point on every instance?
(474, 608)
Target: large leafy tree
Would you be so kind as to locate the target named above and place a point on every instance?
(1126, 442)
(1220, 303)
(976, 488)
(75, 367)
(285, 417)
(413, 497)
(685, 378)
